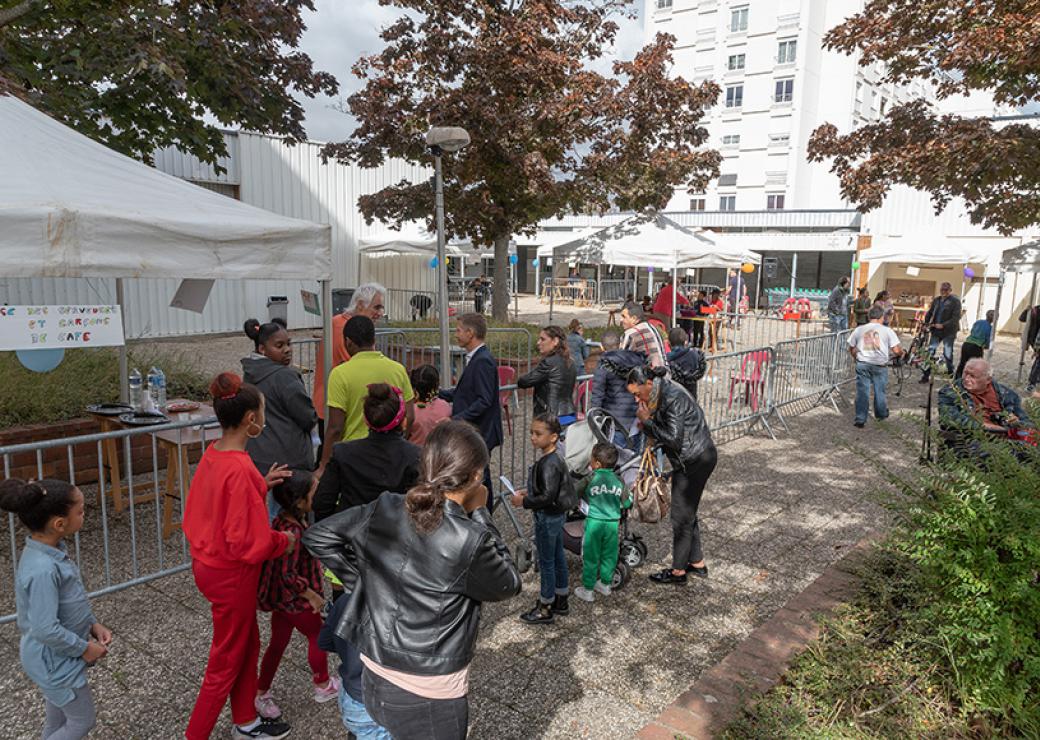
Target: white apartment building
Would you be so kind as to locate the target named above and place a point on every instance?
(778, 85)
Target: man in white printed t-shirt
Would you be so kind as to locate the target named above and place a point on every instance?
(871, 345)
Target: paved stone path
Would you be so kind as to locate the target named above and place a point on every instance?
(775, 515)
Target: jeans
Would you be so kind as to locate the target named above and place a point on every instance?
(968, 352)
(411, 717)
(947, 343)
(357, 720)
(71, 721)
(839, 323)
(687, 488)
(552, 562)
(868, 376)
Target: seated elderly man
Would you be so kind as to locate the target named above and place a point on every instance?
(976, 401)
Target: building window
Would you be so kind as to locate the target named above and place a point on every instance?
(736, 62)
(734, 96)
(785, 53)
(775, 202)
(697, 204)
(729, 180)
(664, 4)
(727, 203)
(731, 140)
(779, 139)
(738, 19)
(784, 91)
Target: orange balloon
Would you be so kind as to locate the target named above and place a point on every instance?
(747, 268)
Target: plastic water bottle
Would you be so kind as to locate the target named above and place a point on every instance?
(136, 390)
(157, 387)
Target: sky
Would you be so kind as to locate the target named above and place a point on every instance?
(341, 31)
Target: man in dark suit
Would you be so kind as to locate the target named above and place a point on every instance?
(943, 319)
(475, 397)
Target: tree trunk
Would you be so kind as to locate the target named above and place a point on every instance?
(500, 298)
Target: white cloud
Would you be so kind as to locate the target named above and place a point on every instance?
(339, 32)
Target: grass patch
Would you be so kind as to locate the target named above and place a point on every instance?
(84, 377)
(943, 639)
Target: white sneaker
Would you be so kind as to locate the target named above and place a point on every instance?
(602, 588)
(328, 692)
(584, 594)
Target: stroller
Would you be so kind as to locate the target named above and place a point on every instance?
(576, 449)
(600, 426)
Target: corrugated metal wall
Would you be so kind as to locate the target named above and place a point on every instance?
(290, 180)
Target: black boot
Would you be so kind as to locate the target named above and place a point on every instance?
(560, 605)
(540, 614)
(693, 570)
(666, 576)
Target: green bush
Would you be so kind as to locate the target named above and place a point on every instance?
(84, 377)
(973, 534)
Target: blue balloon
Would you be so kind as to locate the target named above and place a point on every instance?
(513, 259)
(433, 263)
(40, 360)
(534, 262)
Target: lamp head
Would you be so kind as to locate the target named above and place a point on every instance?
(447, 139)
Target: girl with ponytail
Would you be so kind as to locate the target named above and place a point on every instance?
(416, 568)
(229, 534)
(60, 634)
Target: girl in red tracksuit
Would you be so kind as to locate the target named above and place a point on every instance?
(226, 524)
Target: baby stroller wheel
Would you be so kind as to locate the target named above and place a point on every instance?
(621, 576)
(632, 555)
(641, 546)
(523, 558)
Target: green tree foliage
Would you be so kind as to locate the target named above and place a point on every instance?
(549, 134)
(958, 46)
(137, 75)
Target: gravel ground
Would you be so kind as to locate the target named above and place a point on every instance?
(776, 513)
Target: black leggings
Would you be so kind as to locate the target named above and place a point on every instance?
(687, 487)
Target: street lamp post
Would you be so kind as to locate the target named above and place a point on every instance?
(443, 140)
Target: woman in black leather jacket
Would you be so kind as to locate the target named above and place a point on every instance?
(553, 378)
(671, 416)
(416, 569)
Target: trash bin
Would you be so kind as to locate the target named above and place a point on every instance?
(278, 307)
(341, 299)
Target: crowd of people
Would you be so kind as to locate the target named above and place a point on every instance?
(392, 517)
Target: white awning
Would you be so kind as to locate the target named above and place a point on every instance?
(654, 241)
(784, 241)
(71, 207)
(934, 249)
(1025, 258)
(413, 238)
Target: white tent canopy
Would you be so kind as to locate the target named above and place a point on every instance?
(654, 241)
(413, 238)
(547, 241)
(71, 207)
(927, 249)
(1025, 258)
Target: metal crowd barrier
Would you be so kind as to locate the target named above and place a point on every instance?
(132, 531)
(736, 391)
(809, 370)
(579, 291)
(614, 291)
(739, 331)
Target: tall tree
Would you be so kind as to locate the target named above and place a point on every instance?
(141, 74)
(549, 133)
(959, 46)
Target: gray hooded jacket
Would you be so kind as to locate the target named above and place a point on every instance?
(290, 416)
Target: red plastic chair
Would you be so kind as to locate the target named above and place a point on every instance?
(580, 394)
(752, 379)
(507, 376)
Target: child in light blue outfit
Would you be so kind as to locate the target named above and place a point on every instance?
(60, 635)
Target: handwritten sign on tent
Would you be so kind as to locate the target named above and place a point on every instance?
(66, 327)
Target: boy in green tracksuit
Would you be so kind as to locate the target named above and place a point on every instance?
(606, 497)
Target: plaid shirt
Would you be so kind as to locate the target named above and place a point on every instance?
(644, 338)
(284, 579)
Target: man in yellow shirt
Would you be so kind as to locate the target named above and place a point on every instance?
(348, 385)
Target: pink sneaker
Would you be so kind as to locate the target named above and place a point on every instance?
(266, 707)
(328, 692)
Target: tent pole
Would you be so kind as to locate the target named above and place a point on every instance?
(675, 287)
(124, 364)
(758, 288)
(552, 288)
(996, 315)
(794, 271)
(1025, 336)
(537, 275)
(326, 322)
